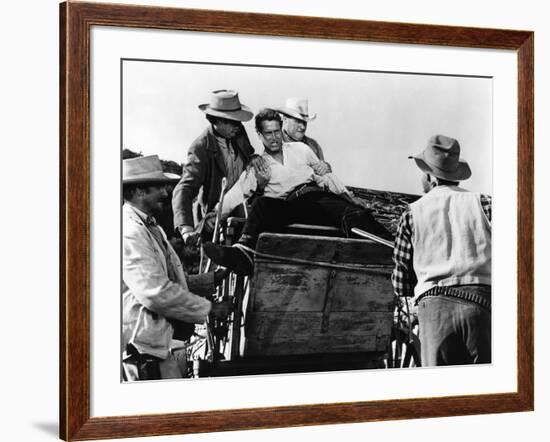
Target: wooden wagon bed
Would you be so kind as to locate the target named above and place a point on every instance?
(316, 304)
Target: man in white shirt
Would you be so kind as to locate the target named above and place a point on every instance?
(299, 189)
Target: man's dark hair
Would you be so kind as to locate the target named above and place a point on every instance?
(212, 119)
(128, 191)
(442, 182)
(266, 115)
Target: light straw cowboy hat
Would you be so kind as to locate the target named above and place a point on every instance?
(297, 108)
(145, 170)
(226, 104)
(441, 158)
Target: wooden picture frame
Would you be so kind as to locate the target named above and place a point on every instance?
(76, 20)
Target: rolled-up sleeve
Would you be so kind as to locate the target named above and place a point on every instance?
(147, 280)
(403, 275)
(202, 284)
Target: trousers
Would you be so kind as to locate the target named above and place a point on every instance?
(455, 331)
(138, 368)
(319, 208)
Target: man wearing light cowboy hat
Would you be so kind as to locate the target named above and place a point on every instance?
(222, 150)
(296, 116)
(155, 292)
(442, 257)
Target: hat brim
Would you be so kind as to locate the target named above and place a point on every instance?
(244, 114)
(172, 176)
(462, 172)
(152, 178)
(295, 114)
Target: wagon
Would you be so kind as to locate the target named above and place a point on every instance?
(316, 302)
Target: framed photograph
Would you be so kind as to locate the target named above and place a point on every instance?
(283, 313)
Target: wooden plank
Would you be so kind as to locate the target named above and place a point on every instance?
(299, 324)
(356, 324)
(318, 248)
(280, 287)
(324, 344)
(362, 292)
(291, 324)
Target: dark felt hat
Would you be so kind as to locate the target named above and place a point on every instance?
(441, 158)
(226, 104)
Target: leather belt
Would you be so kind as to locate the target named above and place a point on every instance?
(303, 190)
(456, 293)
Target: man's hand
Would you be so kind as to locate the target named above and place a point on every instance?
(189, 236)
(261, 170)
(219, 275)
(222, 309)
(209, 221)
(321, 168)
(262, 179)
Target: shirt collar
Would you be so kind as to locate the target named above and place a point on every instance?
(148, 220)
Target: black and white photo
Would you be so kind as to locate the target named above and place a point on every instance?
(284, 219)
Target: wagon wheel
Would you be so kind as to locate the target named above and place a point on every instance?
(228, 332)
(229, 336)
(403, 352)
(404, 347)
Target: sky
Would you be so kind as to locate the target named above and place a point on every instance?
(367, 123)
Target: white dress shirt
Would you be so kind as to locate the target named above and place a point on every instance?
(296, 169)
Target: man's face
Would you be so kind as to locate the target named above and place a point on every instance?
(154, 198)
(294, 127)
(271, 136)
(226, 128)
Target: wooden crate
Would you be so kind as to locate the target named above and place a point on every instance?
(305, 308)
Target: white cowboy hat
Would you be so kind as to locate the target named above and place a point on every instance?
(441, 158)
(226, 104)
(297, 108)
(145, 170)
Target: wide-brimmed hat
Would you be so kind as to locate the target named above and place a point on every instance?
(441, 158)
(297, 108)
(145, 170)
(226, 104)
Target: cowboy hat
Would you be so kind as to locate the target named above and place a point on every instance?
(225, 104)
(145, 170)
(441, 158)
(297, 108)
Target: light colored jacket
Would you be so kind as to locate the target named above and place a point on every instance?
(148, 295)
(452, 239)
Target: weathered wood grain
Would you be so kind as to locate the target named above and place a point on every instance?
(307, 309)
(76, 20)
(270, 326)
(304, 346)
(350, 251)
